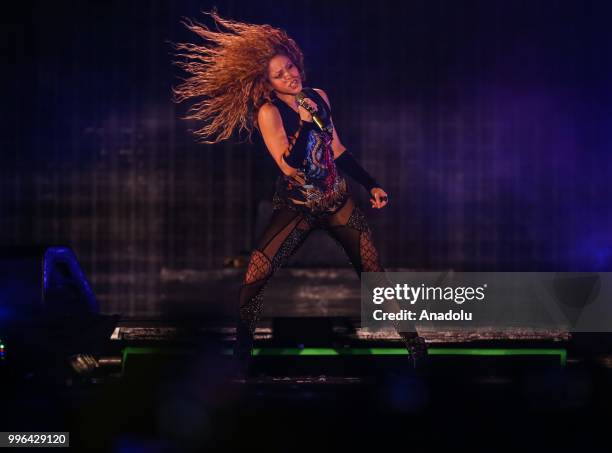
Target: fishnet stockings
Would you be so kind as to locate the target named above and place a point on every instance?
(259, 267)
(286, 231)
(370, 261)
(284, 235)
(350, 222)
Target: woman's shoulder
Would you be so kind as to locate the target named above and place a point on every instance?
(268, 113)
(268, 108)
(322, 94)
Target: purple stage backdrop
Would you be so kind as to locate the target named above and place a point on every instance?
(486, 121)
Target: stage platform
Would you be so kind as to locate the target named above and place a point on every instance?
(316, 383)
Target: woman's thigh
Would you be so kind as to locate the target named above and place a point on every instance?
(285, 232)
(350, 228)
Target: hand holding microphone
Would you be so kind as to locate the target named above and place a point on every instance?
(303, 102)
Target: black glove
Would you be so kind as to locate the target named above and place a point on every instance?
(347, 163)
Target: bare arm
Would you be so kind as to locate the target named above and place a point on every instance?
(274, 136)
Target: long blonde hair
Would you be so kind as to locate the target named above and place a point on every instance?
(228, 74)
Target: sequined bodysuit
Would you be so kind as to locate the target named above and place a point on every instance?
(324, 190)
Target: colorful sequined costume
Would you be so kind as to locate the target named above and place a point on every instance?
(318, 199)
(323, 190)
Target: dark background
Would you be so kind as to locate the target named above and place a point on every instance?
(487, 122)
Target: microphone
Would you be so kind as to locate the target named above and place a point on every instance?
(381, 198)
(301, 100)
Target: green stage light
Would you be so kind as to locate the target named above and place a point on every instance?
(332, 352)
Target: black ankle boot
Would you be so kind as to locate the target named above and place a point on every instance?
(242, 354)
(241, 365)
(417, 347)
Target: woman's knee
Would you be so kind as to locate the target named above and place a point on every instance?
(259, 267)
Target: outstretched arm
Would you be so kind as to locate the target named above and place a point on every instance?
(349, 165)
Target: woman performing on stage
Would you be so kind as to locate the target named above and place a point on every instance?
(244, 77)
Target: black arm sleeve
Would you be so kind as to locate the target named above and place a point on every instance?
(347, 163)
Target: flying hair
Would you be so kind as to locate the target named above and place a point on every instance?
(228, 74)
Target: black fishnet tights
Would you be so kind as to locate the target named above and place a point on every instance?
(286, 232)
(370, 261)
(259, 266)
